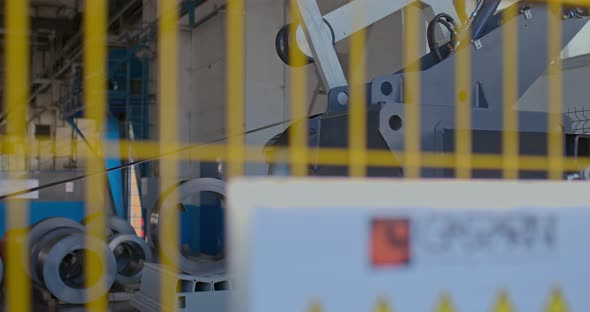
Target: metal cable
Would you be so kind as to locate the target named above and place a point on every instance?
(138, 162)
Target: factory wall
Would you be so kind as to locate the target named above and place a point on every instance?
(53, 152)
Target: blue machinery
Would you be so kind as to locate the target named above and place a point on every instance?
(127, 100)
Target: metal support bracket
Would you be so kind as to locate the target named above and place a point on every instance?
(321, 41)
(527, 14)
(477, 44)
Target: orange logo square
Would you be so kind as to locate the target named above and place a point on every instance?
(390, 242)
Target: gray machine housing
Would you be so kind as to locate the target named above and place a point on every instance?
(386, 101)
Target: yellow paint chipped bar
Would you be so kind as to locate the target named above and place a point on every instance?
(411, 122)
(463, 110)
(95, 47)
(298, 75)
(18, 288)
(168, 113)
(149, 150)
(555, 94)
(357, 122)
(510, 149)
(235, 49)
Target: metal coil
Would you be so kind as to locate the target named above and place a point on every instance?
(39, 229)
(185, 190)
(61, 268)
(131, 252)
(44, 232)
(34, 268)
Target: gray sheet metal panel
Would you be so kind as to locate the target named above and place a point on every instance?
(189, 297)
(437, 120)
(438, 83)
(331, 131)
(438, 91)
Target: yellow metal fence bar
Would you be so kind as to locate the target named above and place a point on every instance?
(235, 123)
(411, 124)
(298, 93)
(463, 109)
(18, 294)
(357, 123)
(95, 28)
(168, 134)
(510, 149)
(555, 147)
(219, 152)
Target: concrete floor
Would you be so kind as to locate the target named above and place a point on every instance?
(114, 307)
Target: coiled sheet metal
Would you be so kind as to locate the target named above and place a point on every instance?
(185, 190)
(58, 250)
(131, 253)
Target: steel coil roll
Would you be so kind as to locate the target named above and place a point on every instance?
(184, 190)
(39, 229)
(61, 268)
(131, 252)
(34, 268)
(43, 232)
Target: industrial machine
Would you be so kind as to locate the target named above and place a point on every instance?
(480, 35)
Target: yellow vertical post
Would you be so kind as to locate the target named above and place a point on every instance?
(357, 129)
(16, 79)
(235, 48)
(412, 150)
(95, 27)
(463, 109)
(510, 142)
(555, 93)
(298, 76)
(168, 133)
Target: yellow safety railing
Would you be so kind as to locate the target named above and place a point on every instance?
(168, 112)
(95, 53)
(16, 82)
(412, 156)
(234, 151)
